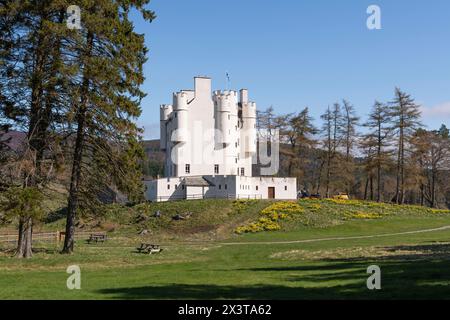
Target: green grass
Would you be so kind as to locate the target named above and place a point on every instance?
(215, 263)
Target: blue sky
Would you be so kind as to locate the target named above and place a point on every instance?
(291, 54)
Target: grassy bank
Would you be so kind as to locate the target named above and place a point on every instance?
(318, 253)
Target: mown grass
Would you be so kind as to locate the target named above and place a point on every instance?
(248, 266)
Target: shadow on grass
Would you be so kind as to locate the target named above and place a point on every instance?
(337, 280)
(412, 272)
(214, 292)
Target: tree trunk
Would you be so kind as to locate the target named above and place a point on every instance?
(366, 189)
(433, 188)
(75, 179)
(371, 188)
(380, 141)
(399, 167)
(24, 245)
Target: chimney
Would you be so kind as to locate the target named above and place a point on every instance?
(202, 87)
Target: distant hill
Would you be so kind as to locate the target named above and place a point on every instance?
(153, 151)
(13, 139)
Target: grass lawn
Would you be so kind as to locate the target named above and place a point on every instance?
(297, 262)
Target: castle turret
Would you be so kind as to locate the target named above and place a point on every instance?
(225, 107)
(248, 133)
(165, 112)
(180, 114)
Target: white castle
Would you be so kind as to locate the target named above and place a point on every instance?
(210, 142)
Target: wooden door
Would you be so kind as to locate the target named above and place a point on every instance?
(271, 192)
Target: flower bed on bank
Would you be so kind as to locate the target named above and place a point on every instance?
(271, 216)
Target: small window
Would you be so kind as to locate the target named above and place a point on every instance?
(242, 171)
(229, 117)
(188, 169)
(257, 188)
(285, 188)
(216, 169)
(220, 187)
(168, 187)
(226, 187)
(237, 161)
(182, 187)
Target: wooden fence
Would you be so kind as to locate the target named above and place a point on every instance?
(56, 236)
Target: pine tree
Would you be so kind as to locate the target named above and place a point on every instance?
(302, 131)
(405, 120)
(106, 101)
(332, 133)
(349, 124)
(28, 70)
(376, 143)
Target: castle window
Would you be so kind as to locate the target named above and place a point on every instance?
(285, 188)
(168, 187)
(226, 187)
(257, 188)
(216, 169)
(242, 171)
(220, 187)
(188, 169)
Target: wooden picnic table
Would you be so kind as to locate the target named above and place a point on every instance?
(149, 248)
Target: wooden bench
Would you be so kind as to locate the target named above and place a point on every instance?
(148, 248)
(97, 237)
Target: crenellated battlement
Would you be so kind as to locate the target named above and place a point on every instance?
(165, 111)
(249, 110)
(182, 100)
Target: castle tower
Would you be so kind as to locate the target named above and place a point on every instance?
(225, 112)
(165, 112)
(180, 114)
(248, 131)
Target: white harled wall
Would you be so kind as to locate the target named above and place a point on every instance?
(203, 129)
